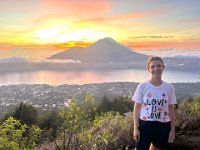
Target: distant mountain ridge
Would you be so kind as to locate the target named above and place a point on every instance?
(104, 50)
(106, 53)
(103, 54)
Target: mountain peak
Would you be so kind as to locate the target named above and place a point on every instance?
(104, 50)
(109, 39)
(106, 44)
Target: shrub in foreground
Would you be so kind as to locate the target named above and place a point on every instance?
(108, 131)
(16, 136)
(188, 114)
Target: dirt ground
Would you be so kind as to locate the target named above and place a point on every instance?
(186, 140)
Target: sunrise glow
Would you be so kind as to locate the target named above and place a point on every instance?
(64, 24)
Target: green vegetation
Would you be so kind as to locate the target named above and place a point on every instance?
(50, 124)
(82, 125)
(76, 117)
(17, 136)
(27, 114)
(188, 114)
(108, 131)
(117, 104)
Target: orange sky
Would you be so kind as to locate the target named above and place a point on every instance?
(42, 27)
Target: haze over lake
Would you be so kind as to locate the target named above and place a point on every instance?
(106, 60)
(92, 76)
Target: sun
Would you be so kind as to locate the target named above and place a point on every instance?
(56, 31)
(48, 35)
(63, 34)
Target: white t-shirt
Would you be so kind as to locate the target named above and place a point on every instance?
(155, 101)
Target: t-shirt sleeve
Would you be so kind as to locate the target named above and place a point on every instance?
(138, 95)
(172, 96)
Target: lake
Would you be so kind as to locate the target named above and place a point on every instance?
(87, 77)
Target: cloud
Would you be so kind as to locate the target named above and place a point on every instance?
(67, 61)
(17, 59)
(128, 16)
(170, 52)
(189, 20)
(17, 6)
(13, 59)
(187, 44)
(151, 37)
(78, 8)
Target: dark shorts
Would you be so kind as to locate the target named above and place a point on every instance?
(153, 132)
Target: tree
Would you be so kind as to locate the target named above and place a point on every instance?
(26, 114)
(122, 104)
(50, 124)
(119, 104)
(17, 136)
(104, 105)
(76, 117)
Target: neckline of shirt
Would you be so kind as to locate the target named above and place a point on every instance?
(154, 85)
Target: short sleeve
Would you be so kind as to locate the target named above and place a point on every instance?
(172, 96)
(138, 95)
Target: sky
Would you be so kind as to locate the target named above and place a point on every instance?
(40, 28)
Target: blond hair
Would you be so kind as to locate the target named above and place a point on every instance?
(155, 58)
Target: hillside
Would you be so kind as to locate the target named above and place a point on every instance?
(104, 52)
(108, 54)
(47, 96)
(187, 114)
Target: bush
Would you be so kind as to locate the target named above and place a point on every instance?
(76, 117)
(15, 136)
(195, 107)
(26, 113)
(50, 123)
(188, 114)
(117, 104)
(108, 131)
